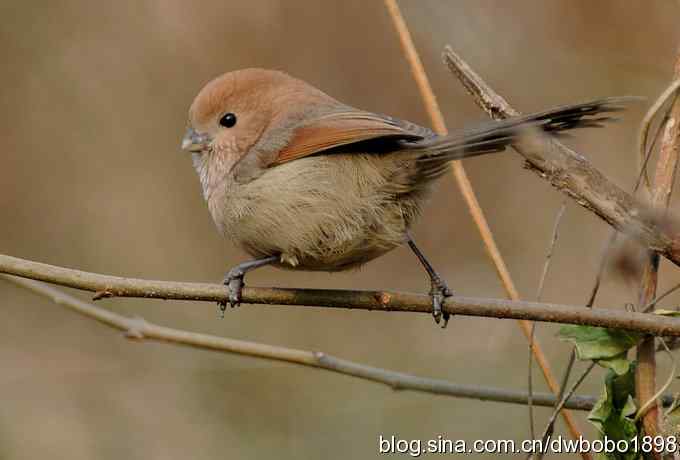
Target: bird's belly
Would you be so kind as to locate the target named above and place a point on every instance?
(330, 256)
(326, 213)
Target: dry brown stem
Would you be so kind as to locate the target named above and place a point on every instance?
(660, 193)
(470, 198)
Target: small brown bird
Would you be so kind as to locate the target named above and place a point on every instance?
(302, 181)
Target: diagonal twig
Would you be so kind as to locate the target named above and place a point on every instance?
(573, 175)
(548, 431)
(539, 295)
(470, 198)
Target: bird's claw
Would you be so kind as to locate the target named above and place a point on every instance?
(439, 292)
(234, 282)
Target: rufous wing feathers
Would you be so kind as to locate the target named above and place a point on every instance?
(336, 129)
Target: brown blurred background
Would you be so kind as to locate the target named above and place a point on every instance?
(93, 101)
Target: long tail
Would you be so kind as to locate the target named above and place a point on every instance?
(497, 135)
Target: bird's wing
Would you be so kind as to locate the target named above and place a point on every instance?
(330, 130)
(349, 126)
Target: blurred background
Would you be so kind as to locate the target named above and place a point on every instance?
(93, 103)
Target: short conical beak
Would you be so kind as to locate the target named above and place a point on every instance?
(194, 141)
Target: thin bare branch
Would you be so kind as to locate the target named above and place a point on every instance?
(660, 297)
(604, 259)
(548, 432)
(530, 382)
(646, 124)
(591, 300)
(539, 294)
(105, 286)
(139, 329)
(572, 174)
(551, 249)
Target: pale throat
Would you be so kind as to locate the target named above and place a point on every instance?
(212, 168)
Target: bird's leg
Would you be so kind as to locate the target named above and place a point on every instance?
(234, 279)
(439, 290)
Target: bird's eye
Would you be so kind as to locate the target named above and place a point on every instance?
(228, 120)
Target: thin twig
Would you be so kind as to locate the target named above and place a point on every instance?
(551, 249)
(105, 286)
(551, 422)
(604, 259)
(572, 174)
(572, 354)
(139, 329)
(669, 92)
(589, 304)
(539, 295)
(650, 149)
(660, 297)
(567, 372)
(469, 195)
(530, 382)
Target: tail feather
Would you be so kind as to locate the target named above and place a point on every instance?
(497, 135)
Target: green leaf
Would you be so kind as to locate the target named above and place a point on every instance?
(629, 409)
(623, 386)
(599, 343)
(602, 409)
(618, 364)
(614, 412)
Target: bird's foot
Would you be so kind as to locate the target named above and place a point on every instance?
(438, 293)
(234, 281)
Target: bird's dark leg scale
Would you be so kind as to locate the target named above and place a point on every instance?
(439, 290)
(234, 280)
